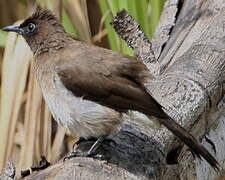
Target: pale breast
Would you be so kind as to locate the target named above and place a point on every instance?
(81, 117)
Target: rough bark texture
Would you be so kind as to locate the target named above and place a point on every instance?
(9, 172)
(135, 156)
(191, 77)
(189, 85)
(129, 30)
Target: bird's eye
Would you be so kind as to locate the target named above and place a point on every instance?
(31, 27)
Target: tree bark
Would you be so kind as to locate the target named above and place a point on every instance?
(189, 84)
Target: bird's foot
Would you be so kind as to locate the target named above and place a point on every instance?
(82, 154)
(76, 154)
(106, 141)
(43, 164)
(90, 153)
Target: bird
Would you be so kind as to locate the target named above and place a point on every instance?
(89, 88)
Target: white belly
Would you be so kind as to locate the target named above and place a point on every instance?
(81, 117)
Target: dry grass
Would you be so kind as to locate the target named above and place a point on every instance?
(77, 11)
(14, 76)
(25, 125)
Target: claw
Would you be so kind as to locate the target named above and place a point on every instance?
(211, 143)
(90, 153)
(76, 154)
(43, 164)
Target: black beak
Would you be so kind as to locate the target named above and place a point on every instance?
(14, 28)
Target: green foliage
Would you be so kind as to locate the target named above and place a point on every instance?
(156, 7)
(23, 1)
(68, 24)
(3, 35)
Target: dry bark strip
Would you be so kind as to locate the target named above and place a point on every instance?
(189, 85)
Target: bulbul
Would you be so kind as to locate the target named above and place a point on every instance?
(79, 81)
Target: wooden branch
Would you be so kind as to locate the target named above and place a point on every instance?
(192, 67)
(147, 51)
(135, 156)
(186, 89)
(129, 30)
(166, 23)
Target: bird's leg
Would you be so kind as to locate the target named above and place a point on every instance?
(82, 139)
(107, 141)
(42, 165)
(89, 153)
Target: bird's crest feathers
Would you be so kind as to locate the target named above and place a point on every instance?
(41, 15)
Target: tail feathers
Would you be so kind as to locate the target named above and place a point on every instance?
(190, 141)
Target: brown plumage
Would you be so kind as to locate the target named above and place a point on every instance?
(82, 82)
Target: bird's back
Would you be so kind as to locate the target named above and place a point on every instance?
(107, 77)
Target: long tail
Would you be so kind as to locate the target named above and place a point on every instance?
(190, 141)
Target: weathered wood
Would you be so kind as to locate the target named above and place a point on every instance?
(166, 23)
(9, 172)
(134, 156)
(129, 30)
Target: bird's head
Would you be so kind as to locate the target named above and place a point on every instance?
(41, 30)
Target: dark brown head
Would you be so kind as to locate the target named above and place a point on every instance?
(42, 31)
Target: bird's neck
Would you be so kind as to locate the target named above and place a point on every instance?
(50, 44)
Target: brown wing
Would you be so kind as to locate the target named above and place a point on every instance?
(109, 80)
(116, 82)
